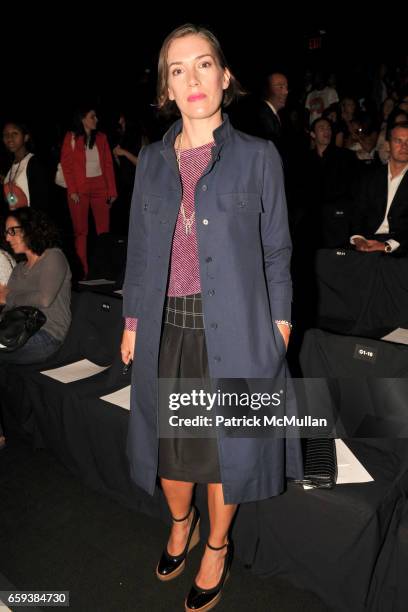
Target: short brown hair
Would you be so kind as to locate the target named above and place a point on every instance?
(233, 90)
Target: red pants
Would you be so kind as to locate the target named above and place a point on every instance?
(94, 195)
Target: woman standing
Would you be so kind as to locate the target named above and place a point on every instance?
(127, 141)
(87, 165)
(208, 227)
(25, 184)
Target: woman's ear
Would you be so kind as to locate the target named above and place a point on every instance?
(226, 79)
(170, 94)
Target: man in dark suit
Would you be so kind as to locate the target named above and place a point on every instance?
(380, 220)
(268, 121)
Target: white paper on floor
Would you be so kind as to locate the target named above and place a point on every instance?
(74, 371)
(120, 291)
(399, 335)
(119, 398)
(97, 281)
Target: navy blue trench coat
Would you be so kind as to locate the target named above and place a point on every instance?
(244, 257)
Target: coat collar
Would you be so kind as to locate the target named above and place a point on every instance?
(221, 134)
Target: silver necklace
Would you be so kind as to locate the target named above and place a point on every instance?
(187, 221)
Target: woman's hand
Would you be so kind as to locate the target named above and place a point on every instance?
(285, 331)
(127, 347)
(111, 200)
(74, 197)
(118, 151)
(3, 293)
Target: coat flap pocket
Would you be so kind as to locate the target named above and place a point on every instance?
(152, 203)
(240, 202)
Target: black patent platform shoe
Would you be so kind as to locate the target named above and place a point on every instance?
(170, 566)
(199, 599)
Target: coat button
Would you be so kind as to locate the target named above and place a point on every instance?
(205, 221)
(242, 204)
(214, 325)
(208, 259)
(145, 206)
(217, 358)
(211, 292)
(204, 188)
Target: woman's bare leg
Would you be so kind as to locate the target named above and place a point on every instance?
(178, 495)
(221, 515)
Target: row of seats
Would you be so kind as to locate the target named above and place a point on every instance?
(350, 544)
(368, 383)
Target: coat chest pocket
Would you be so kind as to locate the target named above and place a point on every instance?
(237, 203)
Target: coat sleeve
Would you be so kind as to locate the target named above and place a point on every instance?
(137, 247)
(108, 168)
(67, 163)
(276, 242)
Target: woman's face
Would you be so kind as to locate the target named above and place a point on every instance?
(404, 104)
(387, 107)
(90, 121)
(15, 236)
(349, 106)
(195, 80)
(13, 138)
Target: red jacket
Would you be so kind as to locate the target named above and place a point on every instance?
(73, 162)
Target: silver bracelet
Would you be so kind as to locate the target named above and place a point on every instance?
(287, 323)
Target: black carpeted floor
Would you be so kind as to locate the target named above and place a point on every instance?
(56, 534)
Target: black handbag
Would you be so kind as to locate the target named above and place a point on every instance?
(17, 325)
(320, 463)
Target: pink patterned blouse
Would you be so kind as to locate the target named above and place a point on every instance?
(184, 265)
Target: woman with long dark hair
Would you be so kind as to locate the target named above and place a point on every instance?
(86, 162)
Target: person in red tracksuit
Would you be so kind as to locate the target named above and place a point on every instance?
(86, 162)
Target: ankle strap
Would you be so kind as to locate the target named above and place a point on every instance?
(178, 520)
(217, 547)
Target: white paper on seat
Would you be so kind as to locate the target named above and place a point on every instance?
(119, 398)
(74, 371)
(97, 281)
(399, 335)
(349, 468)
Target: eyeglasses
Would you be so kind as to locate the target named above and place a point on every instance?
(11, 231)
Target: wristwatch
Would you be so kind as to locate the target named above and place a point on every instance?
(387, 247)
